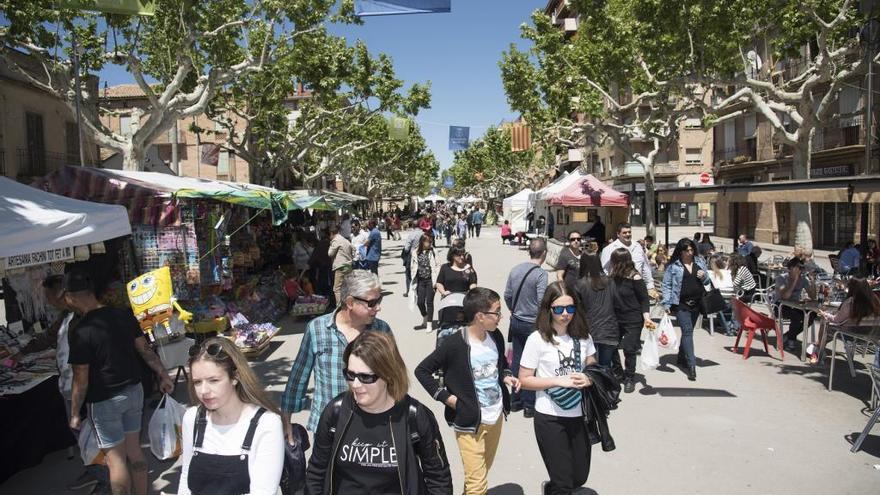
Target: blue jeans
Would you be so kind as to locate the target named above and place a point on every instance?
(519, 332)
(686, 319)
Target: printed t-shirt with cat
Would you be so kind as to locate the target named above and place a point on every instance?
(484, 364)
(549, 360)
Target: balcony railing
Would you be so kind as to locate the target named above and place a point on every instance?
(34, 163)
(846, 130)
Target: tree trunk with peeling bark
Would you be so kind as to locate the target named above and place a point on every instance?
(800, 169)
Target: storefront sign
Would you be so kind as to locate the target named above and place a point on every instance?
(38, 258)
(835, 171)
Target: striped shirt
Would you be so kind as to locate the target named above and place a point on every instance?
(321, 350)
(744, 280)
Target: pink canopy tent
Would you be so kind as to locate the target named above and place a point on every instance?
(589, 191)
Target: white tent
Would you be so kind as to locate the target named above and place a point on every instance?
(39, 227)
(469, 199)
(434, 198)
(516, 208)
(538, 201)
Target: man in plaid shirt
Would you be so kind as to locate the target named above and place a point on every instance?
(324, 342)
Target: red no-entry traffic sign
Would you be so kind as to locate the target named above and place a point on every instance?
(705, 178)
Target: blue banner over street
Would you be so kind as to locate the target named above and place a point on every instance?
(459, 137)
(365, 8)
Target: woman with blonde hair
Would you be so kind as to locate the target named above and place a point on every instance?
(233, 441)
(375, 438)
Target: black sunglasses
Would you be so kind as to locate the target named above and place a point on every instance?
(558, 310)
(572, 239)
(214, 350)
(365, 378)
(371, 303)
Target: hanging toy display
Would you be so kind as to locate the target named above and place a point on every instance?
(152, 299)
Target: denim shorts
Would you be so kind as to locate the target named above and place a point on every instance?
(118, 415)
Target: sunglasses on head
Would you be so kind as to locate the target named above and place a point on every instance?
(558, 310)
(214, 350)
(365, 378)
(371, 303)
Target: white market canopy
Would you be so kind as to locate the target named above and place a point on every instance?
(518, 200)
(434, 198)
(469, 199)
(44, 227)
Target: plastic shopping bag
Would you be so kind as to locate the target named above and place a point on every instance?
(666, 336)
(88, 445)
(165, 429)
(650, 351)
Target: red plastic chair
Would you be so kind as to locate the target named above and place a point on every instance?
(753, 321)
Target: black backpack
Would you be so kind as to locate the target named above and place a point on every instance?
(412, 414)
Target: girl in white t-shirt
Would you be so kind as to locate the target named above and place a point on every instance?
(552, 363)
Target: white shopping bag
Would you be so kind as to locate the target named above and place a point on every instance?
(165, 429)
(666, 336)
(650, 351)
(88, 445)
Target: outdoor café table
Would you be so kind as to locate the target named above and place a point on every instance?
(807, 306)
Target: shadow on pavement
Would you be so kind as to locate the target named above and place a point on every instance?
(857, 388)
(684, 392)
(870, 446)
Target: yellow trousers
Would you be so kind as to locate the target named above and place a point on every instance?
(477, 454)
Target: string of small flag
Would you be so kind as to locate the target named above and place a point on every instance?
(459, 136)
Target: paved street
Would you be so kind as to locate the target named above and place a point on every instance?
(759, 425)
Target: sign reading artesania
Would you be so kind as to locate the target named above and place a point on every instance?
(38, 258)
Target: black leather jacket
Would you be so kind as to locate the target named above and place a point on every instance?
(421, 457)
(598, 401)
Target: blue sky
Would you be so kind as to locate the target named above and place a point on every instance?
(457, 52)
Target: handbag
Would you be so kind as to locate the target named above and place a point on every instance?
(712, 301)
(293, 476)
(564, 397)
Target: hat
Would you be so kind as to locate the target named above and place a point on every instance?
(77, 281)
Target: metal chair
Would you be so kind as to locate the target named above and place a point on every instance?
(875, 388)
(868, 331)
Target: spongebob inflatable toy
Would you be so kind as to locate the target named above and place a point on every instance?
(152, 300)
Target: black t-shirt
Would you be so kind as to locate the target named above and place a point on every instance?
(571, 263)
(455, 280)
(366, 461)
(104, 340)
(691, 287)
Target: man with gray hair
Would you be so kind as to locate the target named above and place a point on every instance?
(522, 294)
(323, 344)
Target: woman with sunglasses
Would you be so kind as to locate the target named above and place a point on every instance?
(375, 438)
(233, 441)
(552, 364)
(683, 289)
(455, 277)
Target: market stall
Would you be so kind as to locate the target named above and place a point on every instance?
(227, 244)
(515, 210)
(578, 204)
(41, 233)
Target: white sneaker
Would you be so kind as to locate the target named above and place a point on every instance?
(430, 327)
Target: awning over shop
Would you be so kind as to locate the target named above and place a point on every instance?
(151, 197)
(323, 200)
(38, 226)
(588, 191)
(855, 189)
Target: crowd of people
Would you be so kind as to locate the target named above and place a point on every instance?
(567, 329)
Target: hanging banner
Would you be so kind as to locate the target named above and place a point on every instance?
(365, 8)
(449, 182)
(459, 137)
(520, 137)
(210, 154)
(398, 128)
(124, 7)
